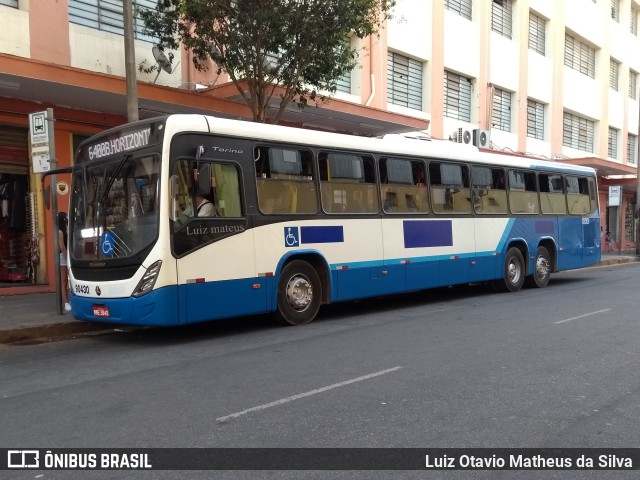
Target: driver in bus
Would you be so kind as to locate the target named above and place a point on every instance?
(204, 207)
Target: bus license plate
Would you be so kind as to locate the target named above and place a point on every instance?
(101, 310)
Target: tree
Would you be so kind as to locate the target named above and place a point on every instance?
(286, 49)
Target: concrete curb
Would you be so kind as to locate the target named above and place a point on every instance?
(617, 261)
(54, 332)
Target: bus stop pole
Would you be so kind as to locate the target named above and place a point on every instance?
(54, 209)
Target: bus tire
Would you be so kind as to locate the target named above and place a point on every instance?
(542, 271)
(299, 293)
(514, 271)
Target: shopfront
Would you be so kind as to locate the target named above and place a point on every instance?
(619, 219)
(19, 252)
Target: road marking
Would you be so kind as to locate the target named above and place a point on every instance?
(306, 394)
(582, 316)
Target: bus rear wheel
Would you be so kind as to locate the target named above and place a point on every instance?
(542, 273)
(514, 272)
(299, 293)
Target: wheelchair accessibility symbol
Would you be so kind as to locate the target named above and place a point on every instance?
(107, 244)
(291, 237)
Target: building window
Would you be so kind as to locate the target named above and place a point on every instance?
(107, 16)
(535, 119)
(577, 132)
(612, 148)
(404, 81)
(501, 111)
(501, 17)
(579, 56)
(614, 74)
(9, 3)
(457, 97)
(343, 84)
(632, 148)
(633, 78)
(537, 33)
(615, 10)
(634, 21)
(461, 7)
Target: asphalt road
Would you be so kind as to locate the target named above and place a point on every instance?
(460, 367)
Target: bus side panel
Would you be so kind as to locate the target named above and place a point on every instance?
(454, 270)
(220, 280)
(591, 234)
(224, 299)
(570, 254)
(157, 308)
(490, 235)
(579, 242)
(370, 279)
(422, 274)
(365, 276)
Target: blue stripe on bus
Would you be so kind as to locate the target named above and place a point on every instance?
(158, 307)
(323, 234)
(505, 235)
(427, 233)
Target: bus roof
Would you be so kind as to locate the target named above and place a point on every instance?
(391, 144)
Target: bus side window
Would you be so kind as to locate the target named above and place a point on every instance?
(552, 196)
(226, 190)
(402, 186)
(450, 191)
(578, 196)
(489, 190)
(285, 181)
(523, 192)
(348, 183)
(198, 183)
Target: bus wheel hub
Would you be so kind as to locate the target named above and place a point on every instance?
(299, 293)
(542, 267)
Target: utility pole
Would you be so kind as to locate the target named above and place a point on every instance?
(130, 62)
(53, 161)
(636, 215)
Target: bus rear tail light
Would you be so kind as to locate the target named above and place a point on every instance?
(148, 280)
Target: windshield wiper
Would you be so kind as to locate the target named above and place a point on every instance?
(105, 192)
(112, 178)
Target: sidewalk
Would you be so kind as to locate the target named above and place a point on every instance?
(32, 318)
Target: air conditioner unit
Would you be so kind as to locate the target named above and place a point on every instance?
(481, 138)
(461, 135)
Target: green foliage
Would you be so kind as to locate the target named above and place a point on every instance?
(299, 45)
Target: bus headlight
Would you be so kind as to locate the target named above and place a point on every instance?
(148, 280)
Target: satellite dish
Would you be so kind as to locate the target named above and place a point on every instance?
(163, 61)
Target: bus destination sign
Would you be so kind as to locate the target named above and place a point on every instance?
(121, 143)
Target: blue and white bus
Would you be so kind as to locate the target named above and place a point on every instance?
(303, 218)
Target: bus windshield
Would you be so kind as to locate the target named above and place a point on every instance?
(114, 207)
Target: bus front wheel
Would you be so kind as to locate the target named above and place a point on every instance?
(542, 273)
(299, 293)
(514, 271)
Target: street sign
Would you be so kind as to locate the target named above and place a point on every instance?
(615, 195)
(39, 142)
